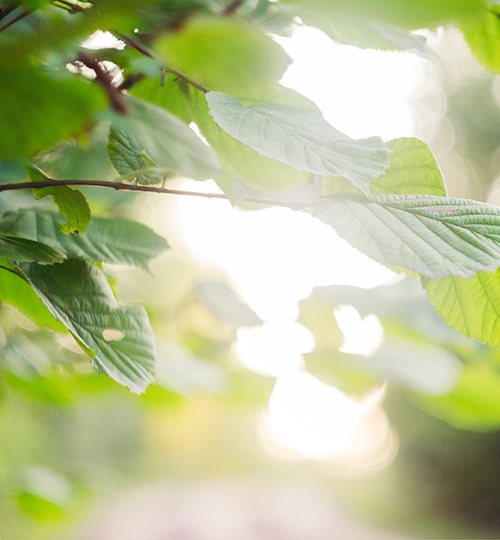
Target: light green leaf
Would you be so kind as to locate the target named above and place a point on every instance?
(354, 29)
(77, 294)
(222, 54)
(115, 241)
(473, 404)
(412, 170)
(16, 248)
(150, 131)
(432, 236)
(72, 205)
(483, 37)
(470, 306)
(38, 111)
(254, 169)
(128, 157)
(402, 13)
(300, 138)
(14, 290)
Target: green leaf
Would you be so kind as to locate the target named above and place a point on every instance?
(223, 54)
(470, 306)
(412, 170)
(300, 138)
(254, 169)
(364, 33)
(483, 37)
(71, 203)
(155, 134)
(127, 156)
(14, 290)
(38, 111)
(473, 404)
(432, 236)
(78, 295)
(115, 241)
(20, 249)
(402, 13)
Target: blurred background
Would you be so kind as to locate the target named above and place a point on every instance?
(302, 390)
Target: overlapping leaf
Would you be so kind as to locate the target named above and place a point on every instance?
(483, 37)
(300, 138)
(19, 249)
(164, 139)
(470, 306)
(77, 294)
(115, 241)
(432, 236)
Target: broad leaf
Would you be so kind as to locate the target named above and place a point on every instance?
(165, 140)
(470, 306)
(16, 291)
(402, 13)
(254, 169)
(300, 138)
(16, 248)
(115, 241)
(223, 54)
(483, 37)
(432, 236)
(412, 170)
(38, 111)
(77, 294)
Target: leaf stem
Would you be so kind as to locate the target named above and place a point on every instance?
(12, 271)
(133, 43)
(187, 79)
(14, 19)
(119, 186)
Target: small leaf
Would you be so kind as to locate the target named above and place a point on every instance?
(127, 156)
(470, 306)
(115, 241)
(20, 249)
(78, 295)
(167, 142)
(300, 138)
(432, 236)
(71, 203)
(483, 37)
(412, 170)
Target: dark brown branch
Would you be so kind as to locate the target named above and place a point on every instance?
(131, 81)
(188, 80)
(105, 80)
(14, 19)
(4, 11)
(232, 7)
(118, 186)
(133, 43)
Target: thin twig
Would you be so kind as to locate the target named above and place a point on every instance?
(104, 79)
(133, 43)
(232, 7)
(12, 271)
(187, 79)
(16, 18)
(118, 186)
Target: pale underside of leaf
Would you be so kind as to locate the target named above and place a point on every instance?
(432, 236)
(300, 138)
(78, 295)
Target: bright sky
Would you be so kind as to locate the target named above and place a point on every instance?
(274, 257)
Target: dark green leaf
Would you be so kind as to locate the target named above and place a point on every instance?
(300, 138)
(20, 249)
(78, 295)
(432, 236)
(115, 241)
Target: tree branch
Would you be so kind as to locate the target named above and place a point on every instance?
(118, 186)
(18, 17)
(232, 7)
(133, 43)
